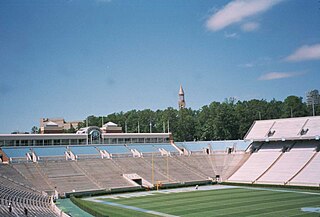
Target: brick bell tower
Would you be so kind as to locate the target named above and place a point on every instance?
(181, 102)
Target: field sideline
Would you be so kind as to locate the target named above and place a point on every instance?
(210, 201)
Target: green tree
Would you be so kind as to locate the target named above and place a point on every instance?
(35, 130)
(294, 107)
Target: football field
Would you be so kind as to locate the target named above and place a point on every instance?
(214, 201)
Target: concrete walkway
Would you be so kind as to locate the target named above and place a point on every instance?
(67, 206)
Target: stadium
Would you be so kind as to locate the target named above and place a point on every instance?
(273, 171)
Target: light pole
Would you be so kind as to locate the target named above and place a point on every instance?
(313, 111)
(150, 127)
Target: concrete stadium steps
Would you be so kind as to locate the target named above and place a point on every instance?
(141, 166)
(10, 172)
(286, 167)
(234, 163)
(255, 166)
(65, 176)
(30, 172)
(104, 172)
(309, 175)
(271, 165)
(176, 170)
(201, 163)
(227, 164)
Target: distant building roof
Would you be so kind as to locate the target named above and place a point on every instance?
(50, 123)
(110, 124)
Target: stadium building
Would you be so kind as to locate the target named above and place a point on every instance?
(36, 168)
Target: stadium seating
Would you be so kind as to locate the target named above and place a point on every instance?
(271, 162)
(85, 152)
(174, 170)
(167, 147)
(140, 166)
(17, 154)
(309, 175)
(194, 147)
(144, 148)
(288, 164)
(213, 146)
(203, 163)
(51, 152)
(281, 163)
(229, 163)
(258, 163)
(20, 198)
(50, 174)
(105, 173)
(116, 150)
(293, 129)
(32, 173)
(66, 176)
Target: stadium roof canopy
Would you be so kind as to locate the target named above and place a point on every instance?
(301, 128)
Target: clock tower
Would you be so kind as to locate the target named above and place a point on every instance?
(182, 102)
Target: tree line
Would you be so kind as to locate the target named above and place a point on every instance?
(226, 120)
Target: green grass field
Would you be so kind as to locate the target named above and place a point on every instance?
(223, 202)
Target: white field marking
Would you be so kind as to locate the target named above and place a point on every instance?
(311, 209)
(279, 190)
(164, 191)
(138, 209)
(99, 199)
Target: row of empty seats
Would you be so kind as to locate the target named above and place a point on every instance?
(96, 174)
(281, 163)
(213, 146)
(288, 128)
(18, 154)
(18, 200)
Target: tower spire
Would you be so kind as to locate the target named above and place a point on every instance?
(181, 102)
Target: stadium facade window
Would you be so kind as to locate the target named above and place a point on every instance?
(25, 142)
(105, 141)
(73, 142)
(10, 143)
(57, 142)
(127, 140)
(159, 140)
(135, 140)
(39, 142)
(65, 142)
(140, 140)
(113, 141)
(151, 140)
(121, 140)
(1, 143)
(47, 142)
(82, 141)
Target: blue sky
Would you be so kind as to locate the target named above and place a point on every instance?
(72, 59)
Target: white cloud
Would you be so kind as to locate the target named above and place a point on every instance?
(236, 11)
(277, 75)
(246, 65)
(306, 52)
(250, 26)
(231, 35)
